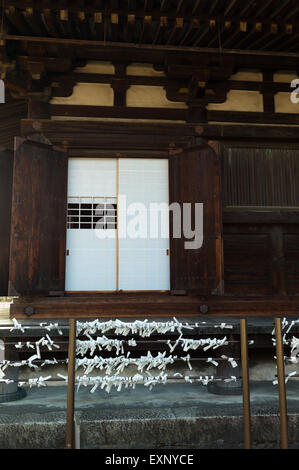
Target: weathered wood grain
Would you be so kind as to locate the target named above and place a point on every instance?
(194, 177)
(37, 247)
(154, 305)
(6, 176)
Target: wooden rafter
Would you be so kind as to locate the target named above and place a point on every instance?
(176, 31)
(98, 25)
(291, 13)
(265, 4)
(33, 20)
(229, 7)
(179, 6)
(269, 32)
(223, 31)
(291, 42)
(14, 17)
(129, 29)
(206, 33)
(162, 25)
(164, 22)
(193, 26)
(82, 26)
(245, 9)
(279, 9)
(239, 30)
(163, 5)
(113, 22)
(50, 22)
(146, 29)
(213, 7)
(196, 5)
(65, 23)
(274, 40)
(253, 34)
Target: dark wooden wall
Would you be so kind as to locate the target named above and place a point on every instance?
(11, 114)
(194, 177)
(261, 215)
(37, 247)
(261, 176)
(6, 171)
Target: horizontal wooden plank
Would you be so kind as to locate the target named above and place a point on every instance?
(174, 114)
(253, 117)
(74, 130)
(118, 112)
(101, 127)
(247, 215)
(251, 131)
(68, 79)
(257, 54)
(155, 305)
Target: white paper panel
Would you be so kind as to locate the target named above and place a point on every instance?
(91, 264)
(92, 177)
(143, 263)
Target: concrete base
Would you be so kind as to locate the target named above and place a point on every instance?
(222, 388)
(10, 391)
(18, 395)
(168, 417)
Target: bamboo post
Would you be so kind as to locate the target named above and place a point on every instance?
(245, 384)
(71, 386)
(281, 385)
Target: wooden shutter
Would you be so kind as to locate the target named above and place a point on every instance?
(38, 228)
(6, 169)
(195, 177)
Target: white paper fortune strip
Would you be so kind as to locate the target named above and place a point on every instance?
(144, 328)
(101, 342)
(188, 343)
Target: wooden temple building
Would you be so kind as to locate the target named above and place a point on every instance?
(176, 101)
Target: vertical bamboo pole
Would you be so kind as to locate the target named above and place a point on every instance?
(281, 385)
(245, 383)
(71, 386)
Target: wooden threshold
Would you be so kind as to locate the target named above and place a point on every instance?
(100, 293)
(153, 305)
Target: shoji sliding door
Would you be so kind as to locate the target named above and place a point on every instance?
(144, 260)
(114, 242)
(92, 197)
